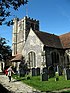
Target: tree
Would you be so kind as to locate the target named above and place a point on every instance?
(23, 68)
(5, 50)
(5, 6)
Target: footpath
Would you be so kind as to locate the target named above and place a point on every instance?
(19, 87)
(16, 86)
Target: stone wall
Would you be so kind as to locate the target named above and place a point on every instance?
(59, 53)
(20, 33)
(33, 44)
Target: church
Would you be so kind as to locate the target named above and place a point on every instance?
(38, 48)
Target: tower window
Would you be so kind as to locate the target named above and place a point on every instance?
(32, 26)
(36, 27)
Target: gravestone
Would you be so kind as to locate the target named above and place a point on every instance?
(44, 77)
(64, 73)
(37, 71)
(56, 76)
(22, 73)
(68, 74)
(51, 72)
(33, 72)
(45, 70)
(60, 70)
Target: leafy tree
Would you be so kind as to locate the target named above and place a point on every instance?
(5, 6)
(5, 50)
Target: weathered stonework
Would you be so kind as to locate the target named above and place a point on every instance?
(33, 44)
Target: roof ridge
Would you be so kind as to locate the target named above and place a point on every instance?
(46, 33)
(64, 34)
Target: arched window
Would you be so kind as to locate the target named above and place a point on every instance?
(55, 58)
(32, 59)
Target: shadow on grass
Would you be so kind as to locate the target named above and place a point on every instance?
(18, 80)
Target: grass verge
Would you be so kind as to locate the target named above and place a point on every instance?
(50, 85)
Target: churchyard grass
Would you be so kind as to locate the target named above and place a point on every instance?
(50, 85)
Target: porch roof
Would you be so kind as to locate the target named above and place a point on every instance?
(17, 58)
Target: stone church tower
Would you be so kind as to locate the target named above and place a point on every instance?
(21, 30)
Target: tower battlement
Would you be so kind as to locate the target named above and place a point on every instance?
(31, 19)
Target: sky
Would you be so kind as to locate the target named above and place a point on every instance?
(53, 16)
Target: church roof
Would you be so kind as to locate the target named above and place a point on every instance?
(55, 41)
(65, 40)
(17, 58)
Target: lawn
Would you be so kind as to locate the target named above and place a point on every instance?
(50, 85)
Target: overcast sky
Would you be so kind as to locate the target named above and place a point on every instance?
(53, 16)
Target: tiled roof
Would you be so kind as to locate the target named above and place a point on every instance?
(65, 40)
(17, 58)
(49, 40)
